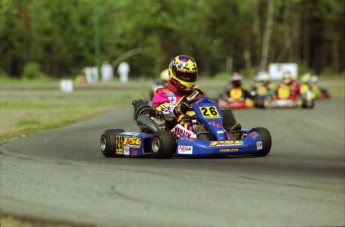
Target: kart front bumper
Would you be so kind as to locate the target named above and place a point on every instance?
(251, 144)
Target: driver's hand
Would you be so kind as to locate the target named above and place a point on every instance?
(181, 108)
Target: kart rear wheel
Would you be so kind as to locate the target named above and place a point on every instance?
(108, 142)
(228, 117)
(163, 144)
(266, 141)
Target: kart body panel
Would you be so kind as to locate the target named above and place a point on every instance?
(135, 144)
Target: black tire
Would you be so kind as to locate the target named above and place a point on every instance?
(108, 142)
(163, 144)
(228, 117)
(266, 141)
(259, 103)
(308, 105)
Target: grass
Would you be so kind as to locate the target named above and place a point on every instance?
(29, 108)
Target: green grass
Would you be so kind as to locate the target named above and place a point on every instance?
(27, 108)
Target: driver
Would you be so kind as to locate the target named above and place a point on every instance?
(293, 85)
(172, 102)
(235, 83)
(183, 73)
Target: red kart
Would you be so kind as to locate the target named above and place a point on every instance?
(236, 99)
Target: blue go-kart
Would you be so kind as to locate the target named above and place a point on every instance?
(205, 129)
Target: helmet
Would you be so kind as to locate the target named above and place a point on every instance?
(183, 72)
(314, 79)
(287, 77)
(164, 76)
(236, 79)
(262, 77)
(306, 78)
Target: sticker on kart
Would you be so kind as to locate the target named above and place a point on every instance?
(124, 143)
(185, 149)
(209, 112)
(228, 150)
(225, 143)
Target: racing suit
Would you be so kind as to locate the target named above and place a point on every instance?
(293, 90)
(165, 101)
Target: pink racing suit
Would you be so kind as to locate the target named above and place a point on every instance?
(164, 100)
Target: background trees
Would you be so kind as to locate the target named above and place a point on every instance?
(59, 35)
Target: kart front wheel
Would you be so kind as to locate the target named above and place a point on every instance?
(163, 144)
(308, 103)
(260, 102)
(108, 142)
(266, 141)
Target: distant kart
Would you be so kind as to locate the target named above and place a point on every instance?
(261, 95)
(307, 96)
(205, 130)
(283, 99)
(148, 95)
(324, 94)
(235, 100)
(157, 84)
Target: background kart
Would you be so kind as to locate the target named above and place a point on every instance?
(306, 99)
(212, 141)
(236, 104)
(235, 99)
(261, 95)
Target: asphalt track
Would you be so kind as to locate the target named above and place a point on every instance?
(62, 175)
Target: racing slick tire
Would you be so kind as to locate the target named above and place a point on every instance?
(108, 142)
(163, 144)
(260, 102)
(308, 104)
(228, 117)
(266, 141)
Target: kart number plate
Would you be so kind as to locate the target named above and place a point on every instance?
(209, 112)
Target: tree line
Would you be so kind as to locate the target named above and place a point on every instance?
(224, 35)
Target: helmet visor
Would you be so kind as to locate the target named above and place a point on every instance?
(188, 77)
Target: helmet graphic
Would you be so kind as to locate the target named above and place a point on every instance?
(183, 72)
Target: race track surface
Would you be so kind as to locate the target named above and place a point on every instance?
(62, 175)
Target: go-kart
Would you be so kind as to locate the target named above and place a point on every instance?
(261, 95)
(324, 94)
(236, 99)
(204, 130)
(285, 99)
(307, 96)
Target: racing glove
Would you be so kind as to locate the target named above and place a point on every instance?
(181, 108)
